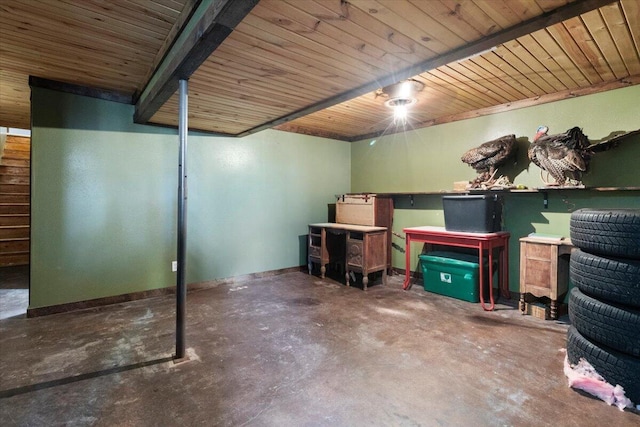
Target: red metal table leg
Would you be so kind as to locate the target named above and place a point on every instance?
(504, 268)
(407, 261)
(481, 279)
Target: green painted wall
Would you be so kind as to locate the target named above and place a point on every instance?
(104, 194)
(104, 189)
(428, 159)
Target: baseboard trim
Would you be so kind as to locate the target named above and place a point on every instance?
(401, 271)
(134, 296)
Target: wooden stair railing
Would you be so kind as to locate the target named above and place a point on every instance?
(14, 201)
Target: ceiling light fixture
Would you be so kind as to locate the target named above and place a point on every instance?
(400, 96)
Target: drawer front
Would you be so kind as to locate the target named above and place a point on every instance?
(315, 241)
(314, 251)
(538, 273)
(536, 251)
(354, 252)
(315, 230)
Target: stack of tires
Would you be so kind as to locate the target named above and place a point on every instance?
(604, 305)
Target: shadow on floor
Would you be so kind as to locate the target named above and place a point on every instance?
(81, 377)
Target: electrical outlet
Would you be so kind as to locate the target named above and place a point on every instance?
(174, 265)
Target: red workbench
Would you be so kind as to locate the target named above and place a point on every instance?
(481, 241)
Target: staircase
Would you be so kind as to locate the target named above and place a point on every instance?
(14, 201)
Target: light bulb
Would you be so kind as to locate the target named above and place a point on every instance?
(400, 114)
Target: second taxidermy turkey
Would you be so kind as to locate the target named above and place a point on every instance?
(566, 156)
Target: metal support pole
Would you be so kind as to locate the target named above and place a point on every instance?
(181, 288)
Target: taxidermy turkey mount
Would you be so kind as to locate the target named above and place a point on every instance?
(486, 158)
(565, 157)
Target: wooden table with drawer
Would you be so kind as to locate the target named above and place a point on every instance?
(544, 271)
(367, 209)
(364, 249)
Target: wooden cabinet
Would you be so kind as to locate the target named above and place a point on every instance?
(369, 210)
(544, 270)
(359, 248)
(326, 245)
(366, 253)
(317, 249)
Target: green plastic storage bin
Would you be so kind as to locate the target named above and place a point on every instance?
(454, 274)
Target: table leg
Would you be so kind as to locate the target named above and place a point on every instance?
(365, 280)
(407, 262)
(346, 276)
(323, 270)
(522, 305)
(481, 275)
(501, 272)
(504, 265)
(490, 249)
(554, 309)
(481, 249)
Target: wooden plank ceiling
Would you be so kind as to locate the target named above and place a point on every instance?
(313, 66)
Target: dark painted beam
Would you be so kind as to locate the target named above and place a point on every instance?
(545, 20)
(208, 27)
(92, 92)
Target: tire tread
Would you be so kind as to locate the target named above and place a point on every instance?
(615, 367)
(614, 232)
(614, 326)
(610, 279)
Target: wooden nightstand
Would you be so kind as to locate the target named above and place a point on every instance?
(544, 272)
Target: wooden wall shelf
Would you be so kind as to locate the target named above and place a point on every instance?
(535, 190)
(538, 190)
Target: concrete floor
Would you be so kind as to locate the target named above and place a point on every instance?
(294, 350)
(14, 291)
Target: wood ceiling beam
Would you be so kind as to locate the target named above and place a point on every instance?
(210, 24)
(545, 20)
(107, 95)
(185, 15)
